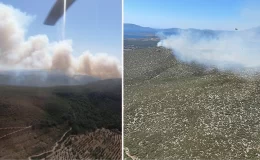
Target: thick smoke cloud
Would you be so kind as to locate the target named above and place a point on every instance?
(224, 50)
(100, 66)
(62, 59)
(37, 52)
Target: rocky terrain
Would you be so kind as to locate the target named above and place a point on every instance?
(175, 110)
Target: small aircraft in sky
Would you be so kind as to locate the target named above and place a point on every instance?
(236, 29)
(57, 11)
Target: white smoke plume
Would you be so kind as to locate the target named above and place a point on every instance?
(224, 50)
(36, 52)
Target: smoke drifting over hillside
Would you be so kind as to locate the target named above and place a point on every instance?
(225, 50)
(36, 52)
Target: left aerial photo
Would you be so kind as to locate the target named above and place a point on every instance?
(61, 79)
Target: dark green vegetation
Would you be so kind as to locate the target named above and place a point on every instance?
(85, 107)
(175, 110)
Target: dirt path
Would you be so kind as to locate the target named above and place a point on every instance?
(53, 149)
(23, 128)
(12, 128)
(127, 152)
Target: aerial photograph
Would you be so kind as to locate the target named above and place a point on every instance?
(191, 79)
(60, 79)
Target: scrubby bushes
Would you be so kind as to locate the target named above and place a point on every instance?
(85, 110)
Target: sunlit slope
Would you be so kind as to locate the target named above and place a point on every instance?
(186, 111)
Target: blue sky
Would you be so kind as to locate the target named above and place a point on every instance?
(202, 14)
(93, 25)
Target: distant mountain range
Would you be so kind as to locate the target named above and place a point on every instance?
(136, 31)
(42, 78)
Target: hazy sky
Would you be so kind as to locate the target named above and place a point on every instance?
(203, 14)
(93, 25)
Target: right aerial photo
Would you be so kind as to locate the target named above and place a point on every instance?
(191, 79)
